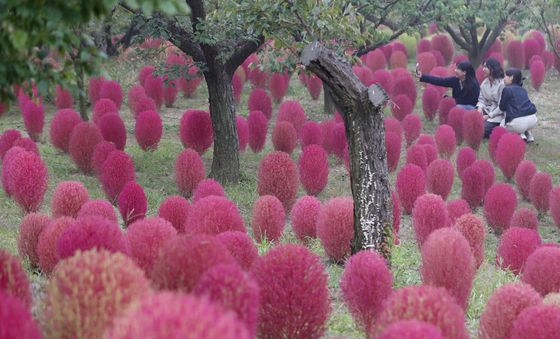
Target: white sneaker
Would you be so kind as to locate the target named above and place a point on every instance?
(523, 136)
(530, 137)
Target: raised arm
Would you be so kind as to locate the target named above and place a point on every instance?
(444, 82)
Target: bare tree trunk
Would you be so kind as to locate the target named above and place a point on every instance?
(362, 109)
(328, 102)
(82, 102)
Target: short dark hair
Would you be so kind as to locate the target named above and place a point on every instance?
(517, 76)
(495, 68)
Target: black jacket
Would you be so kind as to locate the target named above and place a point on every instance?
(515, 102)
(465, 93)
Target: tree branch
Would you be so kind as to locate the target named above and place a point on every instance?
(242, 51)
(182, 38)
(458, 40)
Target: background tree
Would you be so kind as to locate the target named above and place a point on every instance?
(546, 13)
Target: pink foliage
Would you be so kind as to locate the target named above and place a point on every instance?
(430, 102)
(473, 128)
(46, 246)
(7, 140)
(206, 188)
(465, 158)
(196, 131)
(293, 112)
(540, 321)
(393, 148)
(398, 60)
(16, 318)
(278, 176)
(499, 204)
(538, 72)
(268, 218)
(63, 98)
(33, 119)
(531, 47)
(135, 93)
(242, 132)
(339, 141)
(284, 137)
(473, 187)
(100, 153)
(523, 175)
(444, 45)
(94, 87)
(148, 130)
(405, 84)
(189, 171)
(313, 168)
(100, 208)
(311, 134)
(429, 214)
(402, 106)
(144, 73)
(410, 185)
(542, 270)
(257, 124)
(260, 101)
(439, 177)
(189, 86)
(474, 230)
(525, 217)
(412, 125)
(455, 120)
(304, 216)
(416, 154)
(426, 62)
(13, 279)
(446, 141)
(516, 245)
(68, 198)
(509, 153)
(28, 180)
(30, 229)
(335, 227)
(364, 74)
(384, 79)
(213, 215)
(175, 209)
(278, 85)
(554, 205)
(111, 89)
(61, 127)
(112, 129)
(237, 88)
(314, 85)
(144, 104)
(116, 172)
(516, 54)
(240, 245)
(132, 203)
(424, 45)
(445, 105)
(376, 60)
(103, 107)
(539, 189)
(411, 329)
(153, 85)
(487, 171)
(457, 208)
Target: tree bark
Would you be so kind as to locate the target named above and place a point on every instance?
(328, 102)
(80, 82)
(362, 110)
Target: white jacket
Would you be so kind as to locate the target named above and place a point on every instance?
(489, 99)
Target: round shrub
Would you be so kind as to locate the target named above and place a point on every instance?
(213, 215)
(465, 158)
(16, 319)
(33, 119)
(135, 93)
(554, 204)
(445, 105)
(284, 137)
(412, 125)
(516, 245)
(410, 185)
(428, 215)
(46, 246)
(117, 170)
(384, 79)
(473, 189)
(196, 131)
(143, 104)
(278, 176)
(313, 168)
(474, 230)
(148, 130)
(411, 329)
(495, 136)
(393, 149)
(101, 108)
(314, 85)
(242, 132)
(153, 85)
(6, 169)
(206, 188)
(426, 62)
(525, 217)
(87, 291)
(100, 208)
(183, 260)
(235, 290)
(83, 139)
(540, 321)
(538, 72)
(516, 54)
(402, 106)
(30, 229)
(170, 91)
(68, 198)
(487, 171)
(430, 102)
(260, 101)
(457, 208)
(503, 307)
(132, 202)
(455, 120)
(376, 60)
(61, 127)
(473, 128)
(278, 86)
(335, 227)
(94, 87)
(13, 279)
(364, 74)
(257, 124)
(365, 284)
(28, 178)
(327, 127)
(27, 144)
(268, 218)
(111, 89)
(7, 139)
(311, 134)
(189, 171)
(392, 125)
(416, 155)
(430, 304)
(100, 153)
(499, 204)
(398, 60)
(175, 209)
(143, 74)
(542, 270)
(539, 189)
(531, 47)
(189, 86)
(439, 177)
(339, 141)
(304, 217)
(523, 175)
(240, 246)
(509, 153)
(443, 44)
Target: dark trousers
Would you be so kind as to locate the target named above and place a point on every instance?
(488, 127)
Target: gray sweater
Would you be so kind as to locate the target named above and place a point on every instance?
(489, 99)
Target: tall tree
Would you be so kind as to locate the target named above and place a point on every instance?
(546, 13)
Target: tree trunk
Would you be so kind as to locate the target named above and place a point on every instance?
(475, 58)
(328, 102)
(225, 162)
(362, 110)
(80, 82)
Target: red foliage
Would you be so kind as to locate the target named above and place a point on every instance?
(445, 105)
(242, 132)
(412, 125)
(206, 188)
(430, 102)
(117, 170)
(439, 177)
(405, 84)
(531, 47)
(523, 175)
(189, 86)
(376, 60)
(311, 134)
(144, 104)
(63, 98)
(7, 140)
(284, 137)
(28, 180)
(189, 171)
(540, 321)
(474, 230)
(148, 130)
(257, 124)
(278, 85)
(68, 198)
(196, 131)
(426, 62)
(135, 93)
(102, 107)
(398, 60)
(542, 270)
(213, 215)
(339, 141)
(554, 205)
(429, 214)
(83, 139)
(364, 74)
(313, 168)
(278, 176)
(538, 72)
(473, 128)
(465, 158)
(27, 144)
(455, 120)
(61, 127)
(260, 101)
(416, 154)
(457, 208)
(499, 204)
(98, 207)
(100, 154)
(472, 190)
(314, 85)
(424, 45)
(444, 45)
(327, 128)
(384, 79)
(292, 111)
(516, 245)
(402, 106)
(411, 329)
(6, 171)
(113, 129)
(175, 209)
(13, 279)
(516, 54)
(144, 73)
(304, 217)
(539, 189)
(240, 246)
(268, 218)
(446, 141)
(525, 217)
(46, 246)
(509, 153)
(111, 89)
(393, 148)
(16, 319)
(335, 227)
(153, 85)
(33, 119)
(94, 87)
(132, 203)
(30, 228)
(410, 185)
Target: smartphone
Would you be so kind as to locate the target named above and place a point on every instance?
(417, 66)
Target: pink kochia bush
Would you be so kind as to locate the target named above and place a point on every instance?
(525, 217)
(68, 198)
(509, 153)
(83, 139)
(162, 315)
(523, 175)
(335, 227)
(135, 93)
(102, 107)
(268, 218)
(430, 102)
(240, 245)
(428, 215)
(61, 127)
(474, 230)
(284, 137)
(153, 85)
(499, 204)
(7, 140)
(98, 207)
(430, 304)
(94, 87)
(257, 124)
(311, 134)
(27, 144)
(439, 177)
(30, 229)
(457, 208)
(542, 270)
(465, 158)
(487, 170)
(304, 217)
(195, 130)
(63, 98)
(516, 54)
(416, 155)
(13, 279)
(393, 149)
(260, 101)
(206, 188)
(402, 106)
(213, 215)
(189, 171)
(539, 189)
(516, 245)
(144, 104)
(365, 284)
(111, 89)
(503, 307)
(100, 153)
(473, 190)
(412, 125)
(148, 130)
(28, 178)
(11, 154)
(538, 72)
(16, 319)
(473, 128)
(541, 321)
(46, 246)
(410, 185)
(175, 209)
(242, 132)
(33, 119)
(314, 85)
(294, 299)
(455, 120)
(112, 129)
(278, 85)
(411, 329)
(278, 176)
(554, 205)
(495, 136)
(313, 168)
(293, 112)
(132, 202)
(445, 105)
(117, 170)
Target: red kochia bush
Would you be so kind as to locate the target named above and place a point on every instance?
(260, 101)
(430, 304)
(294, 299)
(465, 158)
(405, 84)
(100, 154)
(439, 177)
(68, 198)
(487, 171)
(278, 85)
(365, 284)
(153, 85)
(393, 149)
(94, 87)
(384, 79)
(117, 170)
(183, 259)
(523, 175)
(268, 218)
(313, 168)
(10, 155)
(455, 120)
(113, 129)
(554, 205)
(146, 237)
(236, 88)
(417, 155)
(426, 62)
(398, 60)
(376, 60)
(335, 227)
(542, 270)
(444, 45)
(83, 139)
(503, 307)
(293, 112)
(541, 321)
(98, 207)
(257, 124)
(242, 132)
(424, 45)
(33, 119)
(531, 47)
(132, 203)
(412, 125)
(278, 176)
(472, 189)
(175, 209)
(63, 98)
(7, 139)
(339, 141)
(111, 90)
(170, 90)
(311, 133)
(537, 74)
(30, 228)
(304, 217)
(46, 246)
(411, 329)
(430, 102)
(61, 127)
(499, 204)
(447, 261)
(457, 208)
(445, 141)
(364, 74)
(473, 128)
(474, 230)
(102, 107)
(284, 137)
(516, 244)
(539, 189)
(428, 215)
(148, 130)
(525, 217)
(13, 279)
(135, 93)
(213, 215)
(314, 85)
(240, 245)
(445, 105)
(195, 130)
(410, 185)
(16, 319)
(189, 171)
(27, 144)
(144, 73)
(327, 128)
(206, 188)
(402, 106)
(516, 54)
(145, 103)
(28, 178)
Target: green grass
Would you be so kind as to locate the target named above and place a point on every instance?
(155, 173)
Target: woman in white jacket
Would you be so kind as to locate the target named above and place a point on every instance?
(490, 92)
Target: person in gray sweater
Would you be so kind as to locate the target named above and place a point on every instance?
(490, 92)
